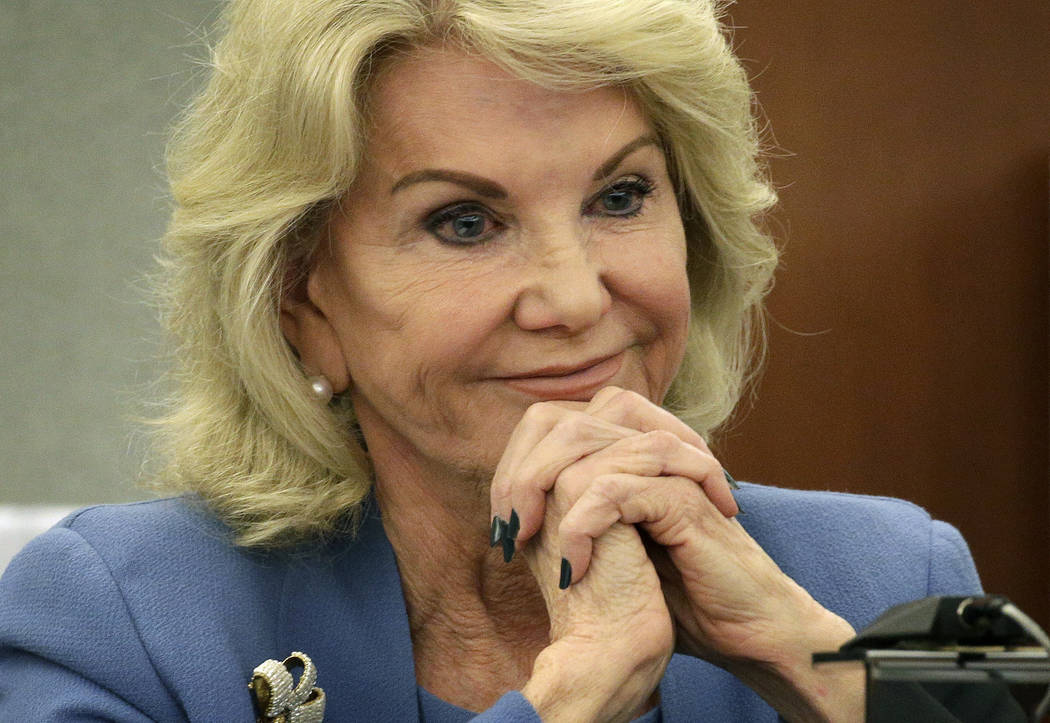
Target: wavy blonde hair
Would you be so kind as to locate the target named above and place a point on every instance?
(275, 139)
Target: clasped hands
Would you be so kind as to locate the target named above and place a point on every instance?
(624, 505)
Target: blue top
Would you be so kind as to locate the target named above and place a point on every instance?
(146, 611)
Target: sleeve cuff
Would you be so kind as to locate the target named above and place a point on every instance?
(511, 708)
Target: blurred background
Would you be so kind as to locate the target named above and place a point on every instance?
(87, 91)
(908, 328)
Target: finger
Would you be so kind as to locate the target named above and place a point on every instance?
(533, 459)
(536, 453)
(522, 485)
(626, 409)
(535, 424)
(635, 411)
(660, 503)
(630, 409)
(653, 454)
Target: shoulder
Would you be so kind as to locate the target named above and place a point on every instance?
(158, 560)
(146, 547)
(167, 536)
(179, 521)
(813, 512)
(858, 554)
(116, 602)
(150, 612)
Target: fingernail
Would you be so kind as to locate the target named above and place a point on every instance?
(510, 534)
(733, 485)
(729, 479)
(566, 574)
(496, 533)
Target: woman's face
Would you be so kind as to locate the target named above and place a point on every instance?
(502, 245)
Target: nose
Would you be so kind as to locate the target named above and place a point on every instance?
(565, 289)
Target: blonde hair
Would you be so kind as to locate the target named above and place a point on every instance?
(275, 139)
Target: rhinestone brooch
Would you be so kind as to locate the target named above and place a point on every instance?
(280, 698)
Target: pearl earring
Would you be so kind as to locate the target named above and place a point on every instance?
(321, 388)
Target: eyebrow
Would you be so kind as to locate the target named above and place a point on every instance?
(479, 185)
(489, 189)
(617, 158)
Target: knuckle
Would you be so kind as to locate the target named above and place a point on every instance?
(499, 489)
(569, 425)
(541, 413)
(605, 394)
(569, 477)
(574, 480)
(628, 408)
(662, 442)
(608, 488)
(712, 467)
(498, 494)
(627, 400)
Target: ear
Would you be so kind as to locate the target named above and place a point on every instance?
(307, 328)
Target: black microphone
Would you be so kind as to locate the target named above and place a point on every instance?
(946, 621)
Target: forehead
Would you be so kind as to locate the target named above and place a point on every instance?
(433, 99)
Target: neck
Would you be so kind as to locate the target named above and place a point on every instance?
(464, 603)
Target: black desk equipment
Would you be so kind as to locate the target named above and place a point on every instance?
(952, 660)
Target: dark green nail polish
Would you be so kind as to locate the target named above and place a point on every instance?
(510, 534)
(514, 525)
(733, 485)
(496, 533)
(566, 574)
(729, 479)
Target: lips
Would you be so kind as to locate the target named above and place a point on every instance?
(570, 382)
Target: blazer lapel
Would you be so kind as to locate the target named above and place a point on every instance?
(346, 610)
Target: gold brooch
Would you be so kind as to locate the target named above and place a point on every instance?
(278, 698)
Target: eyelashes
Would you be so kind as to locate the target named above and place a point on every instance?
(469, 223)
(624, 198)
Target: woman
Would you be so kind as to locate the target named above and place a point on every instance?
(446, 276)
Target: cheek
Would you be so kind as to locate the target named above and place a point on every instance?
(650, 275)
(425, 314)
(651, 269)
(667, 300)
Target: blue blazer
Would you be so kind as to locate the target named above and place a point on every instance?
(147, 611)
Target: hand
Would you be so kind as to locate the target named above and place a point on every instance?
(611, 634)
(555, 435)
(732, 605)
(620, 459)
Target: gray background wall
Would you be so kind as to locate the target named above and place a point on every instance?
(87, 90)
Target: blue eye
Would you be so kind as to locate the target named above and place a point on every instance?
(618, 201)
(462, 224)
(468, 226)
(624, 198)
